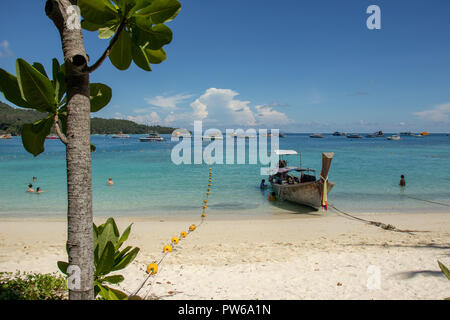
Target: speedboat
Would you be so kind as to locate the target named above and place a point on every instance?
(6, 136)
(354, 136)
(394, 137)
(338, 134)
(316, 135)
(120, 135)
(151, 137)
(406, 133)
(300, 185)
(52, 137)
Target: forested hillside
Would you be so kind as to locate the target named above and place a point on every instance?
(12, 119)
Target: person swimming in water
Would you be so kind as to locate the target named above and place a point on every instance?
(30, 188)
(402, 181)
(110, 182)
(38, 190)
(263, 184)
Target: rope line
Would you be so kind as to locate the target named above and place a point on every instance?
(388, 227)
(152, 268)
(430, 201)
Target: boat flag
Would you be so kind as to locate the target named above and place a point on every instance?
(324, 194)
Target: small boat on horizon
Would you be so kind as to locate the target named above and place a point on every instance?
(52, 137)
(354, 136)
(151, 137)
(120, 135)
(316, 135)
(394, 137)
(300, 185)
(378, 134)
(6, 136)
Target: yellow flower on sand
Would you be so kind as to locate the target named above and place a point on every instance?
(175, 240)
(167, 248)
(152, 268)
(183, 234)
(192, 227)
(203, 215)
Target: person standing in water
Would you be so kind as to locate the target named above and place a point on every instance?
(30, 188)
(402, 181)
(110, 182)
(263, 184)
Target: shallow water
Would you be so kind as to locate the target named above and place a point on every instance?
(366, 173)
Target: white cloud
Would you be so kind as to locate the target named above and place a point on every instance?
(5, 51)
(148, 119)
(219, 106)
(266, 115)
(439, 113)
(169, 101)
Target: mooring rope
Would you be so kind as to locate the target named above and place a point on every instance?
(430, 201)
(152, 268)
(388, 227)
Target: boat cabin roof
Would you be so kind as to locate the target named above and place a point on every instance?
(288, 169)
(285, 152)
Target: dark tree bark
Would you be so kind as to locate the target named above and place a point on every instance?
(78, 156)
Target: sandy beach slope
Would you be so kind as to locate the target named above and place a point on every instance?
(287, 257)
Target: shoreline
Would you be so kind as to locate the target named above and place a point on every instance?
(276, 258)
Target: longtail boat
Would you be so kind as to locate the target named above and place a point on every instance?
(300, 185)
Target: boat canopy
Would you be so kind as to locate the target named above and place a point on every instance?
(289, 169)
(285, 152)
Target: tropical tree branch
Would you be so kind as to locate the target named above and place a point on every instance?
(105, 54)
(58, 130)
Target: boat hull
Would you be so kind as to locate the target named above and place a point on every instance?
(308, 193)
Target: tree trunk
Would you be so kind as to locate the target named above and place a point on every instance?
(80, 240)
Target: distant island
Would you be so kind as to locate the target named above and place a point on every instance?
(12, 119)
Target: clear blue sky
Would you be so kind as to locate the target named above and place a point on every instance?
(302, 66)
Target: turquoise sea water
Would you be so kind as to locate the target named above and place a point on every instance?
(366, 172)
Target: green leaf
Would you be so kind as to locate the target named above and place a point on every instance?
(140, 58)
(126, 260)
(153, 38)
(9, 86)
(106, 262)
(59, 80)
(120, 55)
(35, 88)
(100, 95)
(124, 236)
(114, 225)
(445, 270)
(97, 12)
(107, 32)
(121, 254)
(160, 11)
(90, 26)
(39, 67)
(156, 56)
(114, 279)
(62, 266)
(108, 232)
(33, 135)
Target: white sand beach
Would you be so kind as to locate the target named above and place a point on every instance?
(285, 257)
